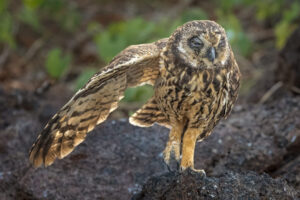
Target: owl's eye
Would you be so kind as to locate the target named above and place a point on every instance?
(222, 43)
(195, 43)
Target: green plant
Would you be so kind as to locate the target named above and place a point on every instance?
(33, 4)
(236, 36)
(6, 25)
(122, 34)
(286, 11)
(29, 16)
(64, 13)
(138, 94)
(84, 77)
(268, 8)
(57, 63)
(286, 26)
(192, 14)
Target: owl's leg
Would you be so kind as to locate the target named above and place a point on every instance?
(173, 144)
(188, 150)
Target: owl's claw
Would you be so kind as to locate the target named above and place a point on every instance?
(168, 167)
(198, 171)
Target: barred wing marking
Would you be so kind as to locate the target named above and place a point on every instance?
(134, 66)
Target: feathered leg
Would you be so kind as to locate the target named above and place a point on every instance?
(188, 149)
(173, 144)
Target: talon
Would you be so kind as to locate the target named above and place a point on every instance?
(198, 171)
(168, 167)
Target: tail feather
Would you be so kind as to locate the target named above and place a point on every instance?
(148, 115)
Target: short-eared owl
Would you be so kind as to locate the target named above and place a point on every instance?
(195, 79)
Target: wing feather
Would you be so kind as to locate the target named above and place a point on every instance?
(136, 65)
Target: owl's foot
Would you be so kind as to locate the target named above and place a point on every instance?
(198, 171)
(173, 170)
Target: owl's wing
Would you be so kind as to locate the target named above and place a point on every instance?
(136, 65)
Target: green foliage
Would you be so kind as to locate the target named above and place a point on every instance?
(167, 26)
(57, 63)
(235, 33)
(286, 26)
(226, 6)
(193, 14)
(236, 36)
(84, 77)
(70, 20)
(33, 4)
(3, 5)
(138, 94)
(6, 25)
(64, 13)
(6, 29)
(136, 31)
(29, 16)
(53, 6)
(288, 12)
(122, 34)
(268, 8)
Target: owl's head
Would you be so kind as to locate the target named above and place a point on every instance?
(200, 44)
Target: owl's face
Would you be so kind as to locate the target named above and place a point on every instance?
(201, 44)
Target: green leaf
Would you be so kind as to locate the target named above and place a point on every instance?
(165, 28)
(6, 30)
(3, 6)
(108, 45)
(286, 26)
(33, 4)
(193, 14)
(236, 36)
(57, 63)
(84, 77)
(70, 19)
(53, 5)
(138, 94)
(268, 8)
(122, 34)
(30, 17)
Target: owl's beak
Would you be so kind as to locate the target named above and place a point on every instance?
(211, 54)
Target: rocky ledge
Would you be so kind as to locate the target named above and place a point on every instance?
(254, 154)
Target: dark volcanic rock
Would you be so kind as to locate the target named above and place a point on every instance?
(117, 158)
(231, 185)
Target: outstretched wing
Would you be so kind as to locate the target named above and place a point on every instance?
(136, 65)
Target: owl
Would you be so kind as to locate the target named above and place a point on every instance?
(195, 79)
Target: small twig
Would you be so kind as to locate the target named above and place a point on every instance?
(270, 92)
(33, 50)
(295, 89)
(4, 56)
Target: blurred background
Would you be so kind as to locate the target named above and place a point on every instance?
(50, 48)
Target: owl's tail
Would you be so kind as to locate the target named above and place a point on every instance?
(148, 115)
